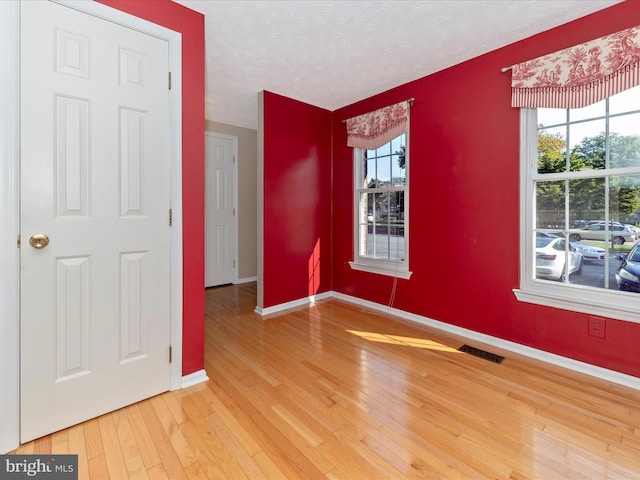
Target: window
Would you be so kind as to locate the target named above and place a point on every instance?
(381, 209)
(581, 182)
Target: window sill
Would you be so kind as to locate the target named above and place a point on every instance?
(381, 270)
(618, 305)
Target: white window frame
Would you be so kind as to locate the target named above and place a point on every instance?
(595, 301)
(398, 269)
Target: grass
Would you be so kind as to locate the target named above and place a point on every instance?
(612, 248)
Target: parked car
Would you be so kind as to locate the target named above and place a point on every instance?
(550, 258)
(628, 273)
(598, 231)
(589, 252)
(634, 229)
(549, 234)
(594, 222)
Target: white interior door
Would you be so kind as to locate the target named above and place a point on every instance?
(220, 210)
(95, 180)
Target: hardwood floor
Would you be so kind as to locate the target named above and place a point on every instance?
(336, 392)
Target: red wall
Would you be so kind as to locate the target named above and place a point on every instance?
(191, 25)
(464, 198)
(297, 200)
(464, 205)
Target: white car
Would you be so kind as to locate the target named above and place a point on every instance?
(550, 258)
(635, 230)
(595, 222)
(589, 252)
(619, 233)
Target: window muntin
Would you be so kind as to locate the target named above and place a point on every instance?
(580, 167)
(381, 200)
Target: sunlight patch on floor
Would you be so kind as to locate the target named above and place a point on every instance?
(406, 341)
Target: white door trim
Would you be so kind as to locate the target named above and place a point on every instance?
(10, 205)
(234, 141)
(9, 260)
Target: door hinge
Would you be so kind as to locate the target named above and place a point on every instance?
(169, 80)
(170, 216)
(18, 241)
(234, 212)
(170, 353)
(234, 159)
(234, 264)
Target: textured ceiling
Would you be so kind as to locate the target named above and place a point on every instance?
(331, 53)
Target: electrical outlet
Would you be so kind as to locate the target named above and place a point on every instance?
(597, 326)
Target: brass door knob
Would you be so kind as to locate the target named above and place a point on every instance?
(39, 240)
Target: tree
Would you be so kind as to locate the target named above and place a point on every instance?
(591, 152)
(550, 195)
(587, 195)
(401, 156)
(624, 151)
(623, 198)
(551, 152)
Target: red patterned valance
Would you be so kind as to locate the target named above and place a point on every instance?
(581, 75)
(374, 129)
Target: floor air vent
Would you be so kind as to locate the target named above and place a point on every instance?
(492, 357)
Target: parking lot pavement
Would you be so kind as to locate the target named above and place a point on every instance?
(594, 274)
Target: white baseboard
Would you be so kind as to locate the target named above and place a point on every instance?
(551, 358)
(292, 304)
(194, 378)
(246, 280)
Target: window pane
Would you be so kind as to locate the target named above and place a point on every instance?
(380, 242)
(590, 111)
(626, 101)
(551, 116)
(397, 205)
(586, 200)
(551, 254)
(626, 124)
(396, 243)
(624, 202)
(381, 206)
(594, 268)
(369, 172)
(624, 148)
(382, 236)
(398, 142)
(384, 150)
(383, 166)
(588, 145)
(552, 146)
(399, 174)
(368, 207)
(550, 204)
(385, 242)
(586, 203)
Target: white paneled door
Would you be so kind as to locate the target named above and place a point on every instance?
(220, 219)
(95, 185)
